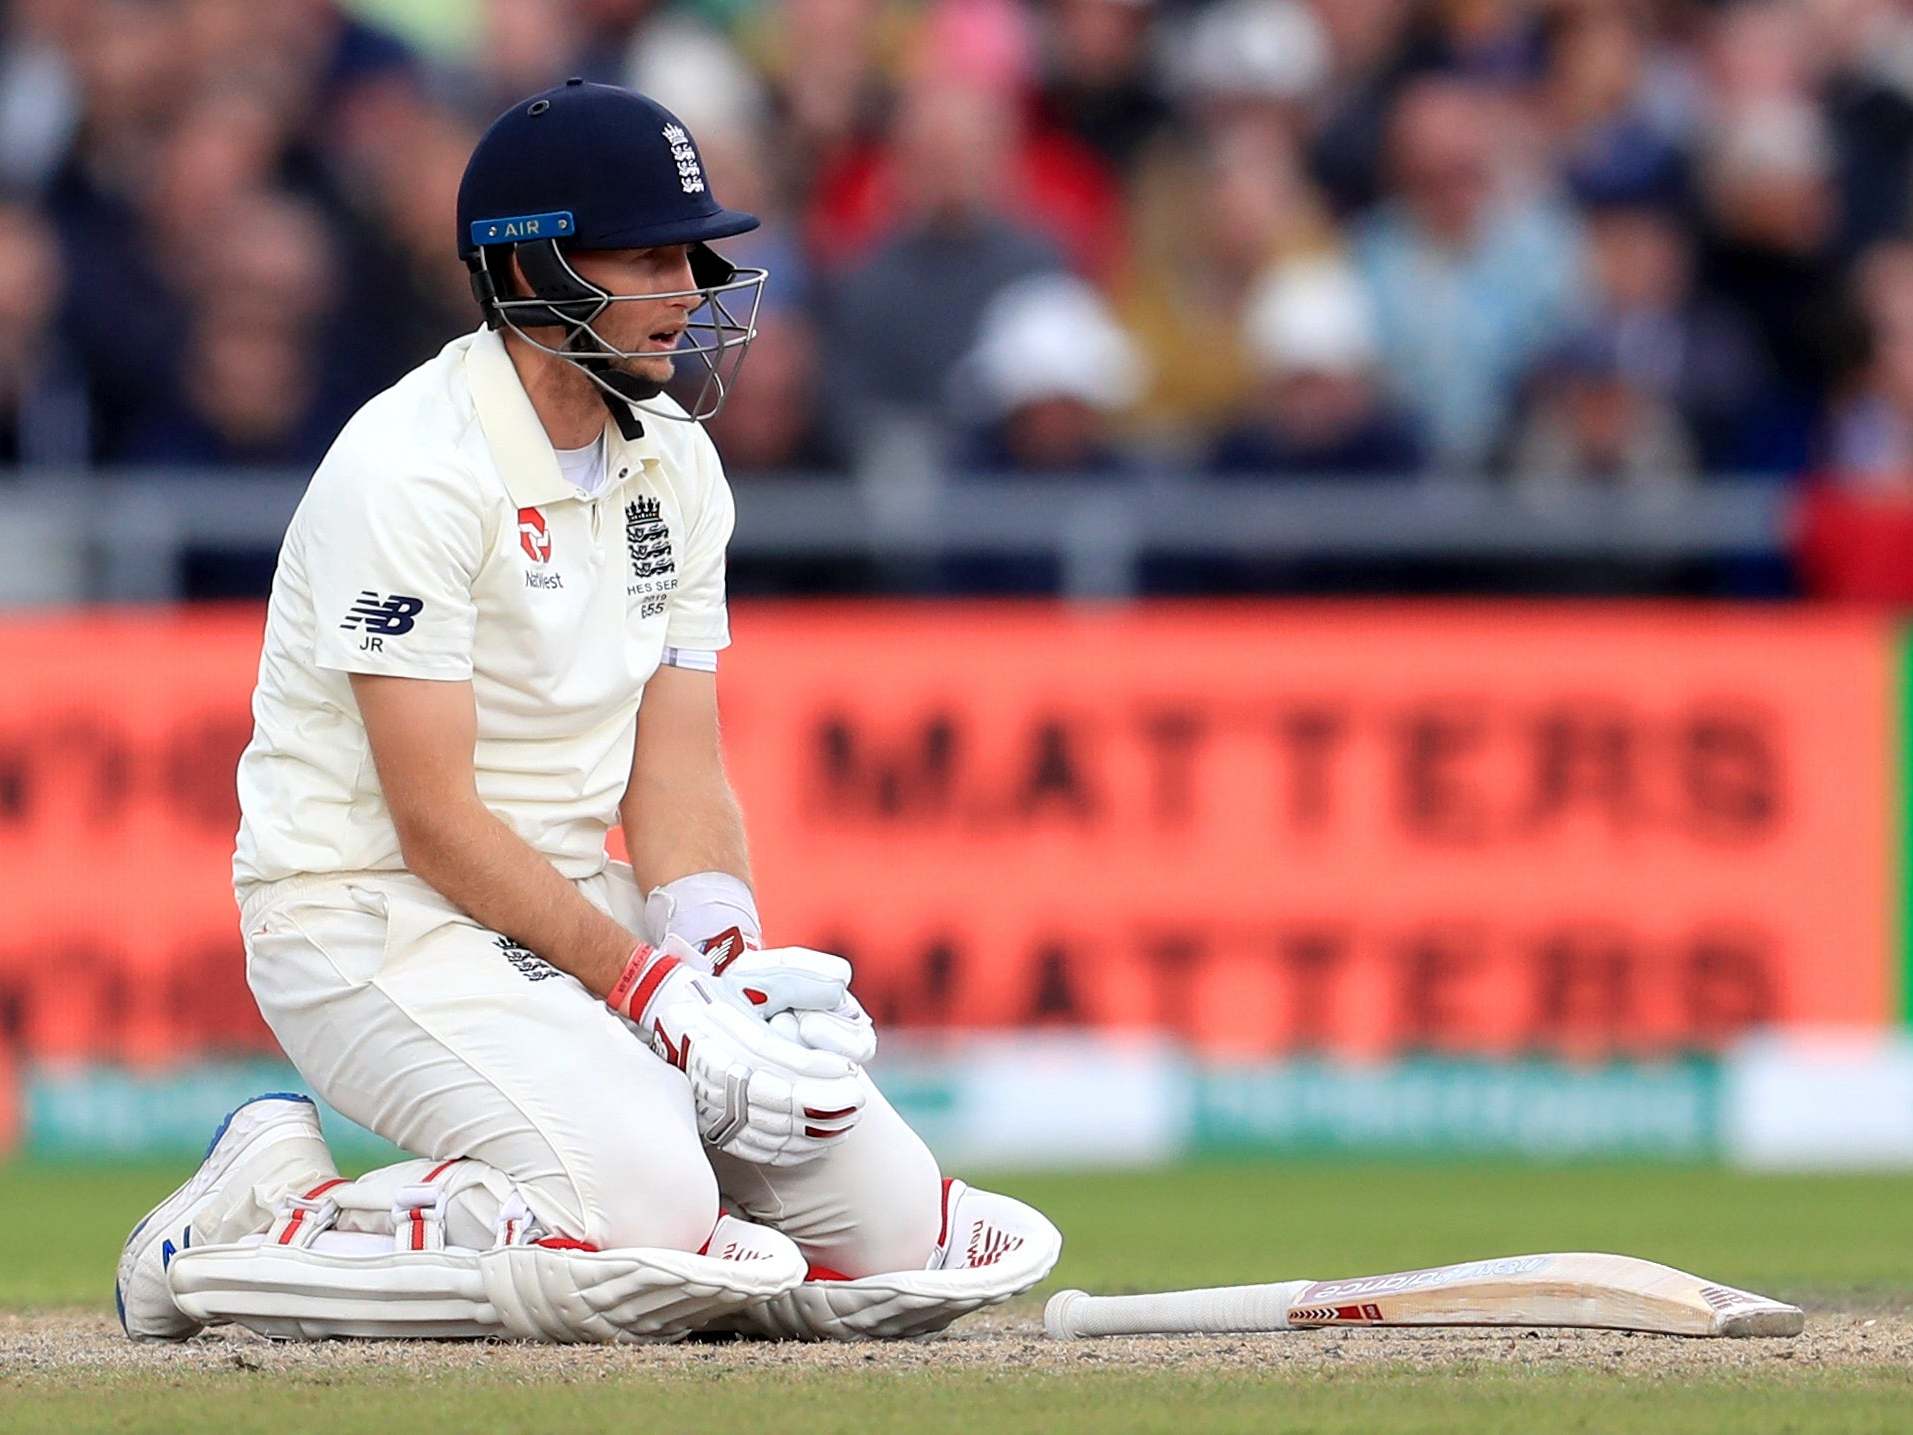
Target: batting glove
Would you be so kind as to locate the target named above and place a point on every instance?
(760, 1096)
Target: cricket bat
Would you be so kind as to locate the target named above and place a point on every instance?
(1573, 1289)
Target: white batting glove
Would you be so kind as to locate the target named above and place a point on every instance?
(759, 1096)
(804, 995)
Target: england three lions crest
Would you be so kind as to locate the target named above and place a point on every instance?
(648, 539)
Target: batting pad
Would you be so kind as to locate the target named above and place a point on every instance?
(526, 1292)
(993, 1247)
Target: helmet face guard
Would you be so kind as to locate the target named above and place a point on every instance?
(718, 330)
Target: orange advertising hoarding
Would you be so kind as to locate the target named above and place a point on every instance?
(1356, 829)
(1353, 829)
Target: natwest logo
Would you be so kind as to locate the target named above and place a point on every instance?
(532, 535)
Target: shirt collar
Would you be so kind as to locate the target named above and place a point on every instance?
(517, 438)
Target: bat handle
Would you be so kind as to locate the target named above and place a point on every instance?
(1073, 1314)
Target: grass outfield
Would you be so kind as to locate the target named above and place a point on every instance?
(1840, 1245)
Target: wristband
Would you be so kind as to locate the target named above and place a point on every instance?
(644, 972)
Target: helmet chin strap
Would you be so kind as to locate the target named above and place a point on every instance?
(621, 393)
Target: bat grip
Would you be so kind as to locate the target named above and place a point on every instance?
(1073, 1314)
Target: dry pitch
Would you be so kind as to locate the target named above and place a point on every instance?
(1839, 1246)
(63, 1345)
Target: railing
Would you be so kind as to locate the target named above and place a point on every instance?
(107, 536)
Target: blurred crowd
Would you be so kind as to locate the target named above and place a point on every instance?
(1560, 242)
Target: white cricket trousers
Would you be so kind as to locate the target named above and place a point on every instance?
(450, 1041)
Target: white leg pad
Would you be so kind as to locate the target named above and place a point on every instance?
(521, 1292)
(993, 1248)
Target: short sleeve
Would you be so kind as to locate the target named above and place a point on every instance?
(392, 558)
(698, 616)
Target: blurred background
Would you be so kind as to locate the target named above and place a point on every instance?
(1320, 574)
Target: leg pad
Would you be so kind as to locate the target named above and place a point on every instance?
(522, 1292)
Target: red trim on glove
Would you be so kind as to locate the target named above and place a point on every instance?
(643, 974)
(661, 967)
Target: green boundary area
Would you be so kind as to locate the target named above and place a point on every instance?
(931, 1402)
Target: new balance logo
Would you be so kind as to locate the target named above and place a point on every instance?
(723, 949)
(387, 617)
(988, 1245)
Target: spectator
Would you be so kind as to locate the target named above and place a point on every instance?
(776, 421)
(45, 409)
(1771, 211)
(411, 295)
(254, 389)
(1317, 410)
(526, 45)
(1868, 98)
(1049, 379)
(829, 66)
(1497, 43)
(1472, 279)
(1870, 445)
(123, 319)
(1057, 184)
(1604, 130)
(1206, 230)
(698, 75)
(1368, 66)
(1687, 349)
(901, 320)
(39, 101)
(1098, 82)
(1241, 59)
(1590, 425)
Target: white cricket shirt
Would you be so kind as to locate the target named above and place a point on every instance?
(438, 539)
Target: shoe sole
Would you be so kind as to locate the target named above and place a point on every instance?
(179, 1208)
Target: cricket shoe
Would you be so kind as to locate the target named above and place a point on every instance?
(264, 1148)
(991, 1247)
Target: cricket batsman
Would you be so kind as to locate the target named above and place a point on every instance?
(493, 633)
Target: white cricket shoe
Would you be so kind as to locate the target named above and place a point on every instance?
(264, 1148)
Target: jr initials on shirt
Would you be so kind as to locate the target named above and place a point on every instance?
(382, 617)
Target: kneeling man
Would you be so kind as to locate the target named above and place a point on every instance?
(494, 631)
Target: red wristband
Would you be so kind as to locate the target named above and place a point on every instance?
(643, 974)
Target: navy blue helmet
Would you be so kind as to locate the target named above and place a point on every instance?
(584, 166)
